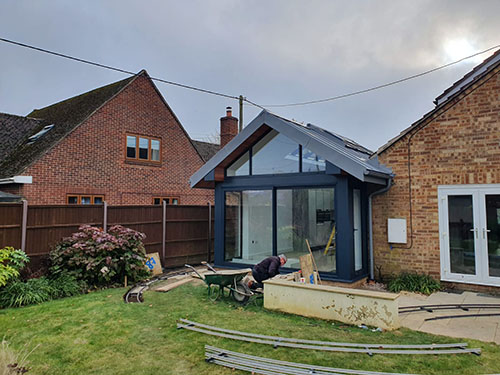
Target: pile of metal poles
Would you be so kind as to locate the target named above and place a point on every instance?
(370, 349)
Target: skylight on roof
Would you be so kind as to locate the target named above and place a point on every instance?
(37, 136)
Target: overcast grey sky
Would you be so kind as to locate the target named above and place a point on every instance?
(272, 52)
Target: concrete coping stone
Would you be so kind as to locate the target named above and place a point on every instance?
(335, 289)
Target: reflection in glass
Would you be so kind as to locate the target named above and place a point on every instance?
(241, 167)
(85, 200)
(275, 154)
(493, 234)
(306, 214)
(155, 150)
(143, 148)
(248, 226)
(131, 144)
(311, 162)
(461, 228)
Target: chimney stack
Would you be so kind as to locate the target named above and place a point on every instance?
(228, 127)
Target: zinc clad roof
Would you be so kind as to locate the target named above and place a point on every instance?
(345, 154)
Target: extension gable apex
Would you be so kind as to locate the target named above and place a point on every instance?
(351, 158)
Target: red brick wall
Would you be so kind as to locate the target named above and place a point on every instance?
(91, 160)
(459, 146)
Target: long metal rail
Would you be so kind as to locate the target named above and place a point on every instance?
(459, 316)
(460, 345)
(461, 306)
(262, 365)
(370, 351)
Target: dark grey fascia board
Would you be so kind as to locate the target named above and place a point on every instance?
(227, 149)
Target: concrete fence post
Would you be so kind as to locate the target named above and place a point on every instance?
(24, 225)
(164, 233)
(105, 218)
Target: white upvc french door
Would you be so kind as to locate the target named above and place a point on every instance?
(469, 233)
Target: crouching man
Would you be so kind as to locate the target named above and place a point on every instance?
(266, 269)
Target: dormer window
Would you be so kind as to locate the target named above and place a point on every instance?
(38, 135)
(143, 148)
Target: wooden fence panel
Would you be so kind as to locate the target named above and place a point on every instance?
(47, 225)
(11, 216)
(186, 239)
(145, 219)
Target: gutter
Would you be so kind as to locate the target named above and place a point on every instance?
(16, 180)
(370, 223)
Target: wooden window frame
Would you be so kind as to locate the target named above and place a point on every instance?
(170, 198)
(136, 158)
(79, 198)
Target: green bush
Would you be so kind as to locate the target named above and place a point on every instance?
(11, 262)
(19, 293)
(66, 285)
(413, 282)
(99, 258)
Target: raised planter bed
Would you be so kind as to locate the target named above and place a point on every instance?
(353, 306)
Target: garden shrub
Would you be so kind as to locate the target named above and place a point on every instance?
(23, 293)
(65, 285)
(11, 262)
(99, 258)
(413, 282)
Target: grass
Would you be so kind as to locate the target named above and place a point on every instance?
(99, 334)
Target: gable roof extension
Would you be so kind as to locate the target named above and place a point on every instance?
(341, 152)
(467, 81)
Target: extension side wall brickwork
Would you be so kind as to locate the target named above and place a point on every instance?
(91, 160)
(459, 146)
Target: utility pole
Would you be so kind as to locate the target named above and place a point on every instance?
(241, 114)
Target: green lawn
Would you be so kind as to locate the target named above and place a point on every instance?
(99, 334)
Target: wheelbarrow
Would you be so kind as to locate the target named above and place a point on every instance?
(230, 279)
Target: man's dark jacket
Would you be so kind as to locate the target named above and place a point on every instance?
(266, 269)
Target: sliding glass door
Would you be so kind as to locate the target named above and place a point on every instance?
(469, 222)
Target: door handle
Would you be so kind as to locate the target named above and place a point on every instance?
(474, 230)
(485, 231)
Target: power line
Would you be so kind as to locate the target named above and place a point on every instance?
(116, 69)
(379, 86)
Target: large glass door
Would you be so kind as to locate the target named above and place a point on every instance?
(469, 226)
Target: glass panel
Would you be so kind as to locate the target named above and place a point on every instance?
(166, 200)
(155, 150)
(356, 208)
(240, 167)
(143, 148)
(461, 228)
(85, 200)
(493, 227)
(307, 214)
(131, 144)
(175, 201)
(275, 154)
(248, 226)
(73, 200)
(312, 162)
(156, 201)
(98, 200)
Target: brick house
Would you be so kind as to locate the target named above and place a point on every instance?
(120, 143)
(446, 190)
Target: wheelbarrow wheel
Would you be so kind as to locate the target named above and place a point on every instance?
(214, 292)
(241, 293)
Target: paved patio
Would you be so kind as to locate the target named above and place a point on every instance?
(478, 328)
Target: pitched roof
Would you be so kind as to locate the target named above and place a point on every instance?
(475, 75)
(205, 149)
(18, 153)
(342, 152)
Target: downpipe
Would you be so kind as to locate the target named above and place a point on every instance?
(370, 224)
